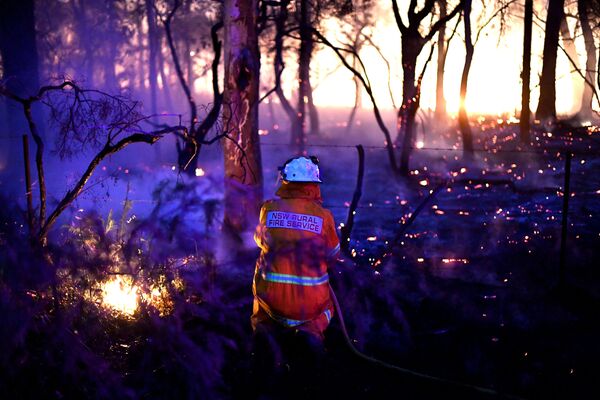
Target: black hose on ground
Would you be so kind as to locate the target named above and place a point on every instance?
(405, 371)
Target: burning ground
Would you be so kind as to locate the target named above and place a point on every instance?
(148, 298)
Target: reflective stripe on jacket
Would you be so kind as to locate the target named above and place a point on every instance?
(296, 236)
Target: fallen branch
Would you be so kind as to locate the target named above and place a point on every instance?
(347, 229)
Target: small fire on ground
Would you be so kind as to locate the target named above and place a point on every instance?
(122, 295)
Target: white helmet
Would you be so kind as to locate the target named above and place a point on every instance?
(301, 169)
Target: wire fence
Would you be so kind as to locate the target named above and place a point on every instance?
(546, 151)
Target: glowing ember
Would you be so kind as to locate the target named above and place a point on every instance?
(200, 172)
(120, 294)
(455, 260)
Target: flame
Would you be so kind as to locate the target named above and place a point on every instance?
(121, 295)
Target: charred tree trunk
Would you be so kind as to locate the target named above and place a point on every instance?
(463, 118)
(569, 48)
(308, 19)
(152, 54)
(585, 111)
(526, 74)
(412, 44)
(440, 100)
(19, 56)
(547, 103)
(242, 157)
(411, 47)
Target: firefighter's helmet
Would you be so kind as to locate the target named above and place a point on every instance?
(301, 169)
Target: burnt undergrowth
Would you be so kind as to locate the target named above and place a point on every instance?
(467, 294)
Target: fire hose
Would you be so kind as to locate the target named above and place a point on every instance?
(406, 371)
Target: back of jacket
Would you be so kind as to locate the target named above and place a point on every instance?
(297, 237)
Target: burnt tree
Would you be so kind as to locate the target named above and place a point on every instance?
(463, 118)
(442, 51)
(547, 104)
(304, 55)
(242, 157)
(524, 125)
(412, 42)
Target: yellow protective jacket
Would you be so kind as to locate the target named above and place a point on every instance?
(297, 238)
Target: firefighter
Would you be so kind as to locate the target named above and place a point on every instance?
(298, 241)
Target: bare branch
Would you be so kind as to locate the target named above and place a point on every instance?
(184, 85)
(403, 28)
(578, 70)
(389, 69)
(492, 17)
(369, 91)
(108, 149)
(442, 21)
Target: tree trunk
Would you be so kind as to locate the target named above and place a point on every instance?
(463, 118)
(19, 57)
(304, 54)
(313, 113)
(152, 55)
(569, 46)
(440, 101)
(141, 76)
(242, 158)
(312, 109)
(585, 112)
(526, 74)
(547, 103)
(163, 78)
(85, 33)
(110, 77)
(278, 64)
(411, 47)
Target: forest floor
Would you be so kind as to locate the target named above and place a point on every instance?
(469, 293)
